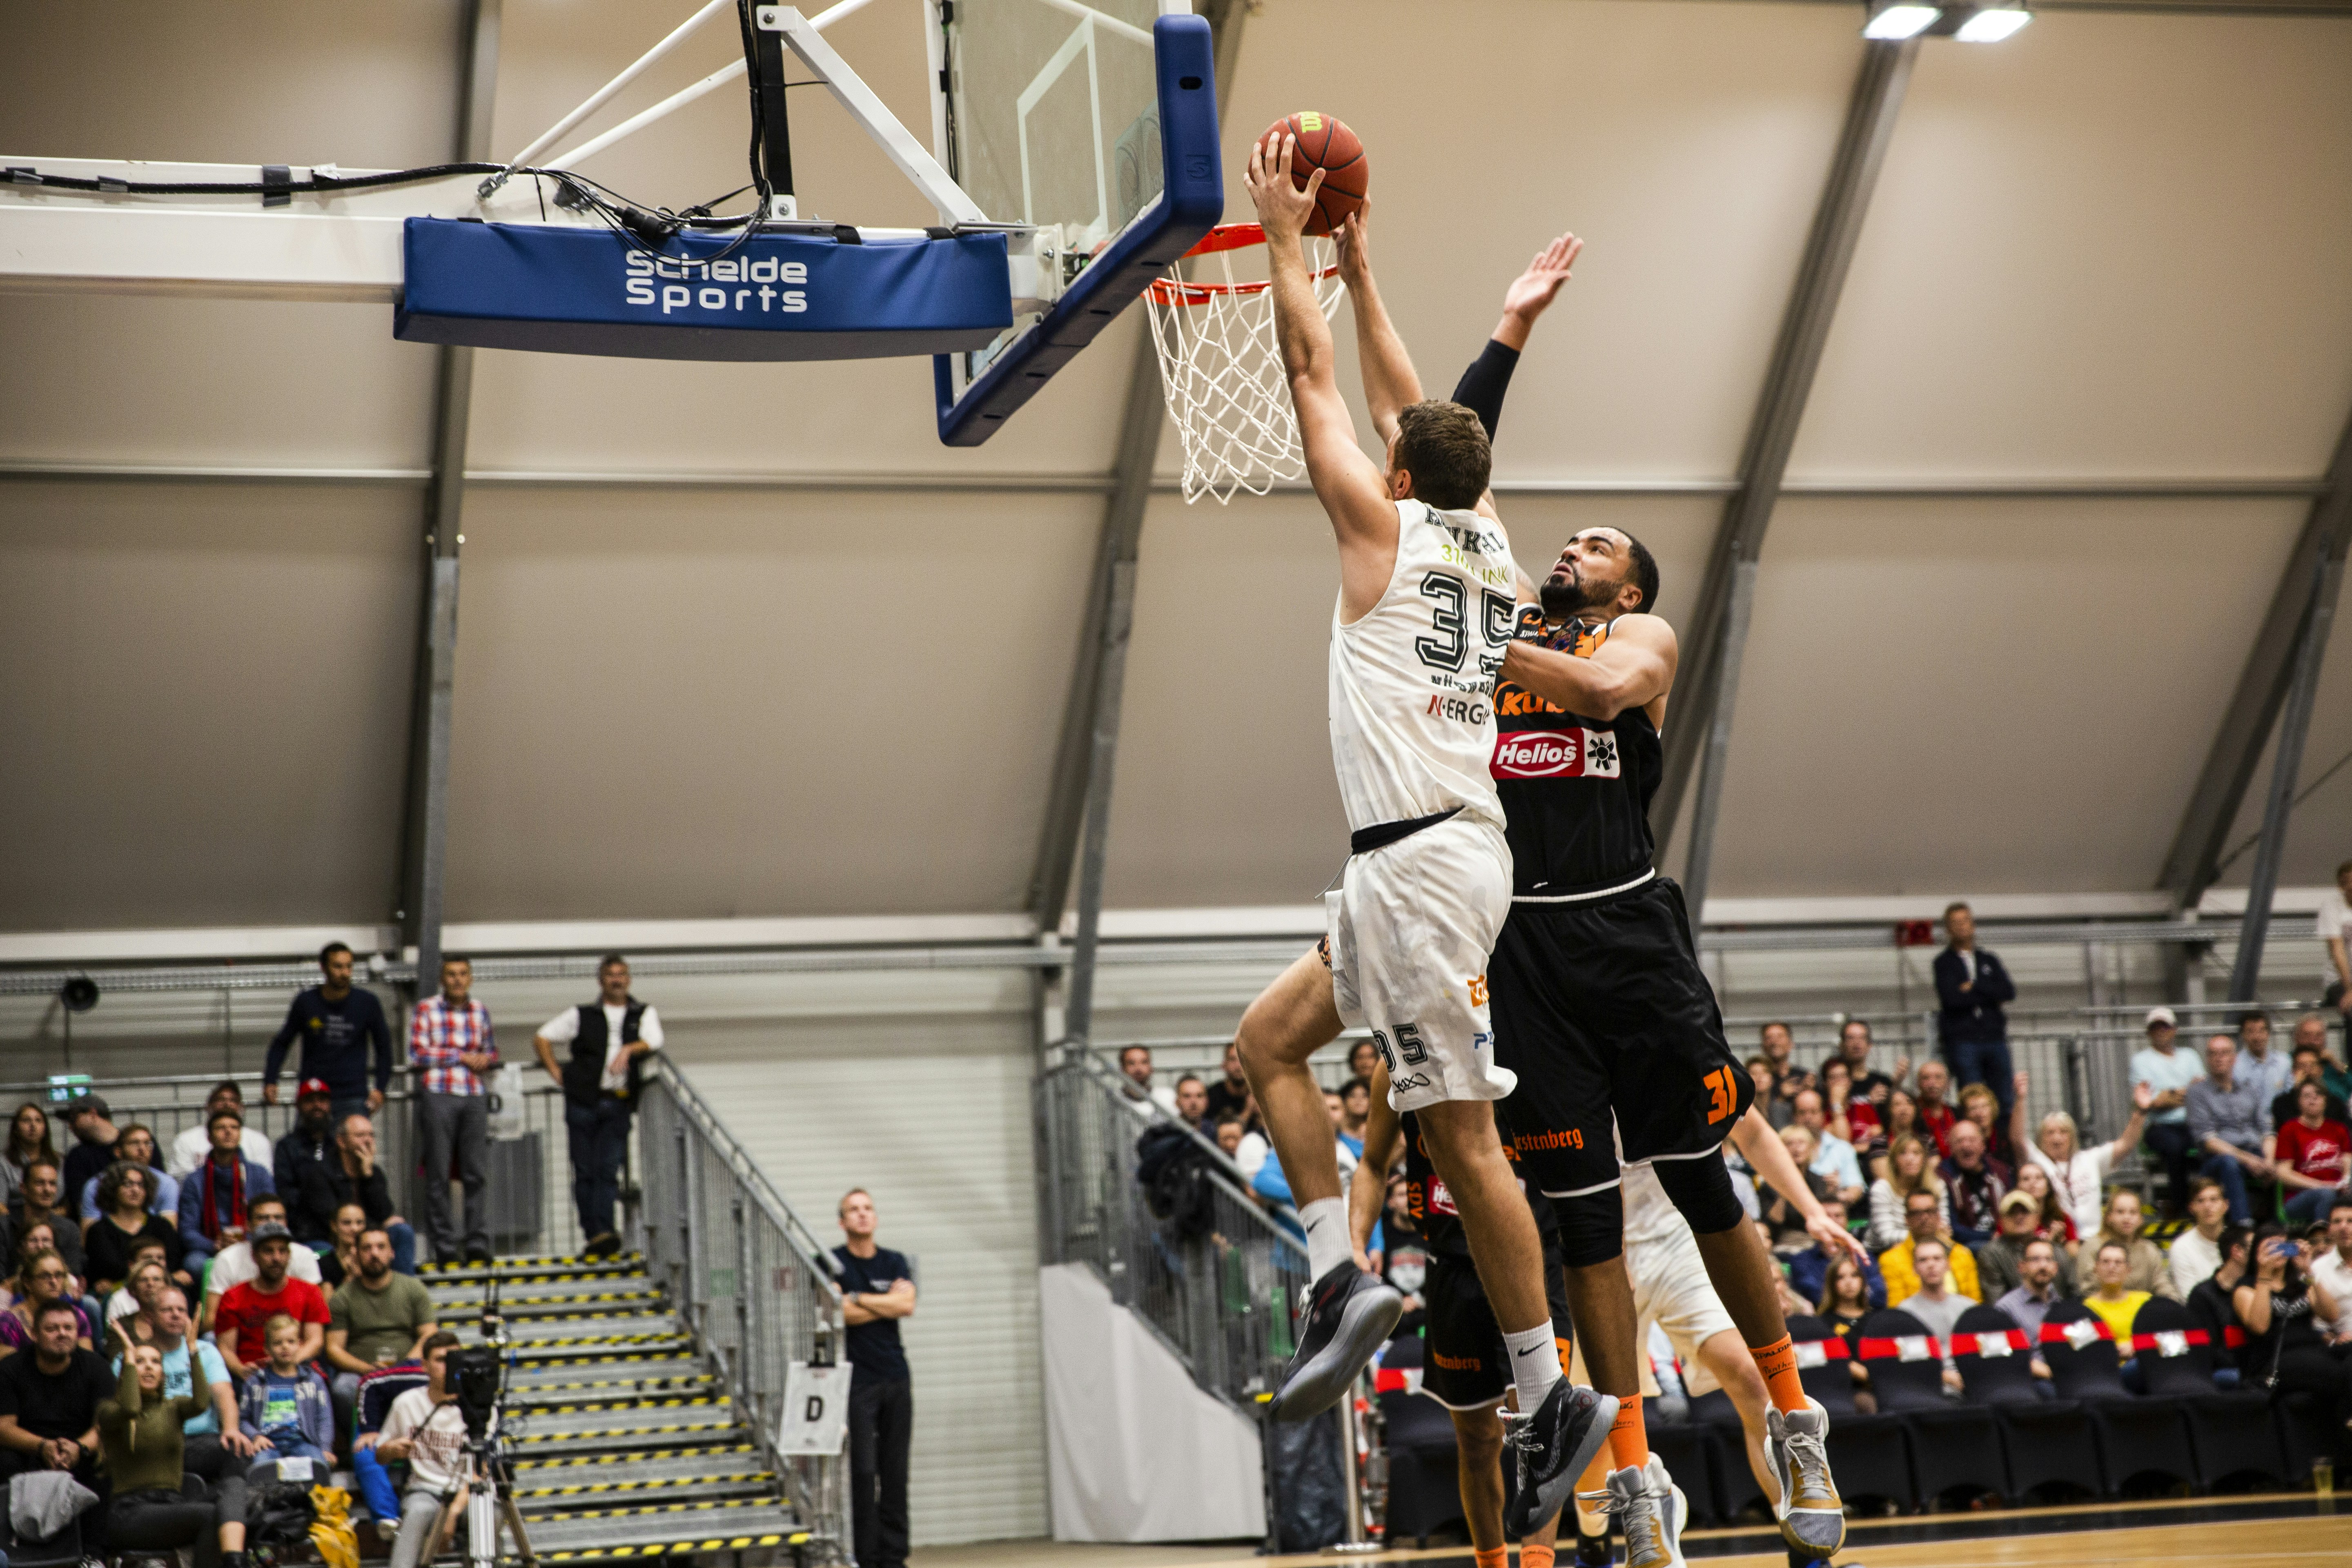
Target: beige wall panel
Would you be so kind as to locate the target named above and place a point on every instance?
(2109, 246)
(735, 704)
(212, 382)
(2004, 697)
(206, 690)
(98, 378)
(2319, 834)
(562, 411)
(1687, 143)
(1224, 789)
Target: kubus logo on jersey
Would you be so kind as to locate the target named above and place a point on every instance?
(1577, 754)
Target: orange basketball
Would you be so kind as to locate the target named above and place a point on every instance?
(1327, 144)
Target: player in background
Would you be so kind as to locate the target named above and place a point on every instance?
(1463, 1364)
(1427, 592)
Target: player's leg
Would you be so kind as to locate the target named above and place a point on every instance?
(1348, 1313)
(1726, 1355)
(1478, 1445)
(1671, 1289)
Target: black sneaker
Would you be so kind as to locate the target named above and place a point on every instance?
(1350, 1316)
(1592, 1551)
(1555, 1444)
(478, 1253)
(604, 1244)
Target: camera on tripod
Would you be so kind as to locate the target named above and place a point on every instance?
(477, 1377)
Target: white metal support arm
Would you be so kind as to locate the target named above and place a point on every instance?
(938, 187)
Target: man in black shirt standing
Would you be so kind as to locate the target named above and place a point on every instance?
(48, 1405)
(1974, 989)
(610, 1039)
(878, 1289)
(338, 1024)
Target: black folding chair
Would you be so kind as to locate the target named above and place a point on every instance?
(2138, 1436)
(63, 1550)
(1870, 1455)
(2044, 1442)
(1953, 1446)
(2233, 1431)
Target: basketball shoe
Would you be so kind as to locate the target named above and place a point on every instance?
(1555, 1444)
(1811, 1517)
(1649, 1509)
(1350, 1315)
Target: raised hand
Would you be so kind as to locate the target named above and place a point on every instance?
(2143, 1094)
(1355, 242)
(2023, 1080)
(1283, 209)
(1533, 291)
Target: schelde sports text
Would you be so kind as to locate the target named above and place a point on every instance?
(699, 284)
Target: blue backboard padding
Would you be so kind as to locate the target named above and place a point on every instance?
(779, 297)
(1190, 203)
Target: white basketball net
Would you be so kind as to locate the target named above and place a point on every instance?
(1221, 368)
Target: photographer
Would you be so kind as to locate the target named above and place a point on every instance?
(2281, 1309)
(426, 1428)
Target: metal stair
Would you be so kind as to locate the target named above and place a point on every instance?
(625, 1440)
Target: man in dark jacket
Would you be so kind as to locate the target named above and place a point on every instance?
(339, 1026)
(350, 1175)
(1973, 986)
(609, 1040)
(310, 1142)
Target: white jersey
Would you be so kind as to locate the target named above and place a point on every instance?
(1412, 711)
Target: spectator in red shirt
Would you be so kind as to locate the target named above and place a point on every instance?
(239, 1321)
(1936, 1118)
(2309, 1153)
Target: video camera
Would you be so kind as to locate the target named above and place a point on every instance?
(477, 1375)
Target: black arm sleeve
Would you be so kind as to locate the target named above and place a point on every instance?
(1482, 386)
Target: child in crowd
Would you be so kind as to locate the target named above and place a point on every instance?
(286, 1401)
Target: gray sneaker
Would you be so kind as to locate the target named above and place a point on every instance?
(1649, 1509)
(1812, 1516)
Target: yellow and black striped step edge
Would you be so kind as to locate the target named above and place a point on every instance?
(533, 1260)
(624, 1431)
(577, 1489)
(706, 1506)
(668, 1404)
(648, 1456)
(534, 1390)
(675, 1548)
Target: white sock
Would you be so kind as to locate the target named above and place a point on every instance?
(1534, 1365)
(1325, 1220)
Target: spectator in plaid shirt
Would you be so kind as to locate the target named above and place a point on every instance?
(451, 1044)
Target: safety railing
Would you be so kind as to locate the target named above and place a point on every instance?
(530, 1172)
(1218, 1287)
(750, 1278)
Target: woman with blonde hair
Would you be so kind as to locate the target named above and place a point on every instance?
(2078, 1174)
(2119, 1226)
(1908, 1171)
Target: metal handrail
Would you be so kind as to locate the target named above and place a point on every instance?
(755, 1182)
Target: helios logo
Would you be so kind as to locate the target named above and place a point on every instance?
(1556, 754)
(701, 286)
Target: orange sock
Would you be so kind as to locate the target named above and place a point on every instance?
(1535, 1554)
(1777, 1363)
(1495, 1557)
(1629, 1442)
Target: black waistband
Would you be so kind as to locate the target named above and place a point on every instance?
(1380, 834)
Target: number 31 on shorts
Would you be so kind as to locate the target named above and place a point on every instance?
(1723, 1098)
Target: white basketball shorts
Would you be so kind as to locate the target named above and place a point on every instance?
(1410, 926)
(1672, 1290)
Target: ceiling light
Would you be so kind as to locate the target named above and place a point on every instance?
(1992, 24)
(1897, 20)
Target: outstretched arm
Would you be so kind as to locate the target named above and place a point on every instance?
(1391, 383)
(1632, 669)
(1345, 480)
(1753, 1136)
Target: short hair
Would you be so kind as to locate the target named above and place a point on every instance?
(1798, 1098)
(442, 1341)
(2305, 1048)
(1645, 574)
(1760, 1060)
(1770, 1025)
(224, 1113)
(1353, 1084)
(449, 958)
(278, 1320)
(1921, 1243)
(149, 1243)
(609, 960)
(1861, 1023)
(2252, 1015)
(331, 949)
(1124, 1050)
(2042, 1241)
(1191, 1078)
(64, 1304)
(842, 1208)
(2197, 1188)
(377, 1230)
(2344, 870)
(227, 1086)
(38, 1161)
(2232, 1237)
(2108, 1246)
(264, 1200)
(1443, 447)
(1918, 1192)
(1233, 1119)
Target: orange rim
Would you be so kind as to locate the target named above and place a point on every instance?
(1225, 236)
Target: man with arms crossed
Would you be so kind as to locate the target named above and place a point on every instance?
(1602, 1010)
(1427, 592)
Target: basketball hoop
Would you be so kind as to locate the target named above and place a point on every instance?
(1221, 368)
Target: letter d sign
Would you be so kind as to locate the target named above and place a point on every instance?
(816, 1409)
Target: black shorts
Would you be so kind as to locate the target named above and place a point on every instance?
(1601, 1007)
(1463, 1364)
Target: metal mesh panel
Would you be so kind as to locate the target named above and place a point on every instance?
(750, 1281)
(1221, 1301)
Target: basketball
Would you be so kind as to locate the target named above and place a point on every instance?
(1327, 144)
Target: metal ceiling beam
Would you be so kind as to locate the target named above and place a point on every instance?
(2194, 860)
(424, 820)
(1698, 726)
(1078, 792)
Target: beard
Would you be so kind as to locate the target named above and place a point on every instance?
(1566, 597)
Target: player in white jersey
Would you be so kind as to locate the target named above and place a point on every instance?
(1427, 600)
(1672, 1290)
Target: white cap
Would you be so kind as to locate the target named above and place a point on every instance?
(2162, 1016)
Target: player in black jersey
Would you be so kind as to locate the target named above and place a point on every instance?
(1602, 1009)
(1462, 1364)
